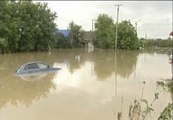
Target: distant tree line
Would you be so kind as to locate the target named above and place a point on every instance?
(127, 35)
(156, 42)
(104, 35)
(27, 26)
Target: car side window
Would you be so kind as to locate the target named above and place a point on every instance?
(42, 66)
(32, 66)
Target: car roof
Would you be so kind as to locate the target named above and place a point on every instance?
(22, 66)
(32, 63)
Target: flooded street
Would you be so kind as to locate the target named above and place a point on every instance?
(98, 85)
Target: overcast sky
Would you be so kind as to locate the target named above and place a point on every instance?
(154, 18)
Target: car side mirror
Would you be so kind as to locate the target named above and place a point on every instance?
(48, 66)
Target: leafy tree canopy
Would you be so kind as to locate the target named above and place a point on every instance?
(26, 26)
(105, 32)
(76, 35)
(127, 36)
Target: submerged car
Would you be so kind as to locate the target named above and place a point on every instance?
(35, 68)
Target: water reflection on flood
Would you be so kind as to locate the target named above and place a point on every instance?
(90, 86)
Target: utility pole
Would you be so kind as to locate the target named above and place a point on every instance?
(145, 36)
(115, 72)
(116, 37)
(93, 26)
(136, 24)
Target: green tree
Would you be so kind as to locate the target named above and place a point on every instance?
(26, 26)
(37, 28)
(76, 35)
(105, 32)
(127, 36)
(3, 25)
(62, 41)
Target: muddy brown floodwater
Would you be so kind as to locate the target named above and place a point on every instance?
(98, 85)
